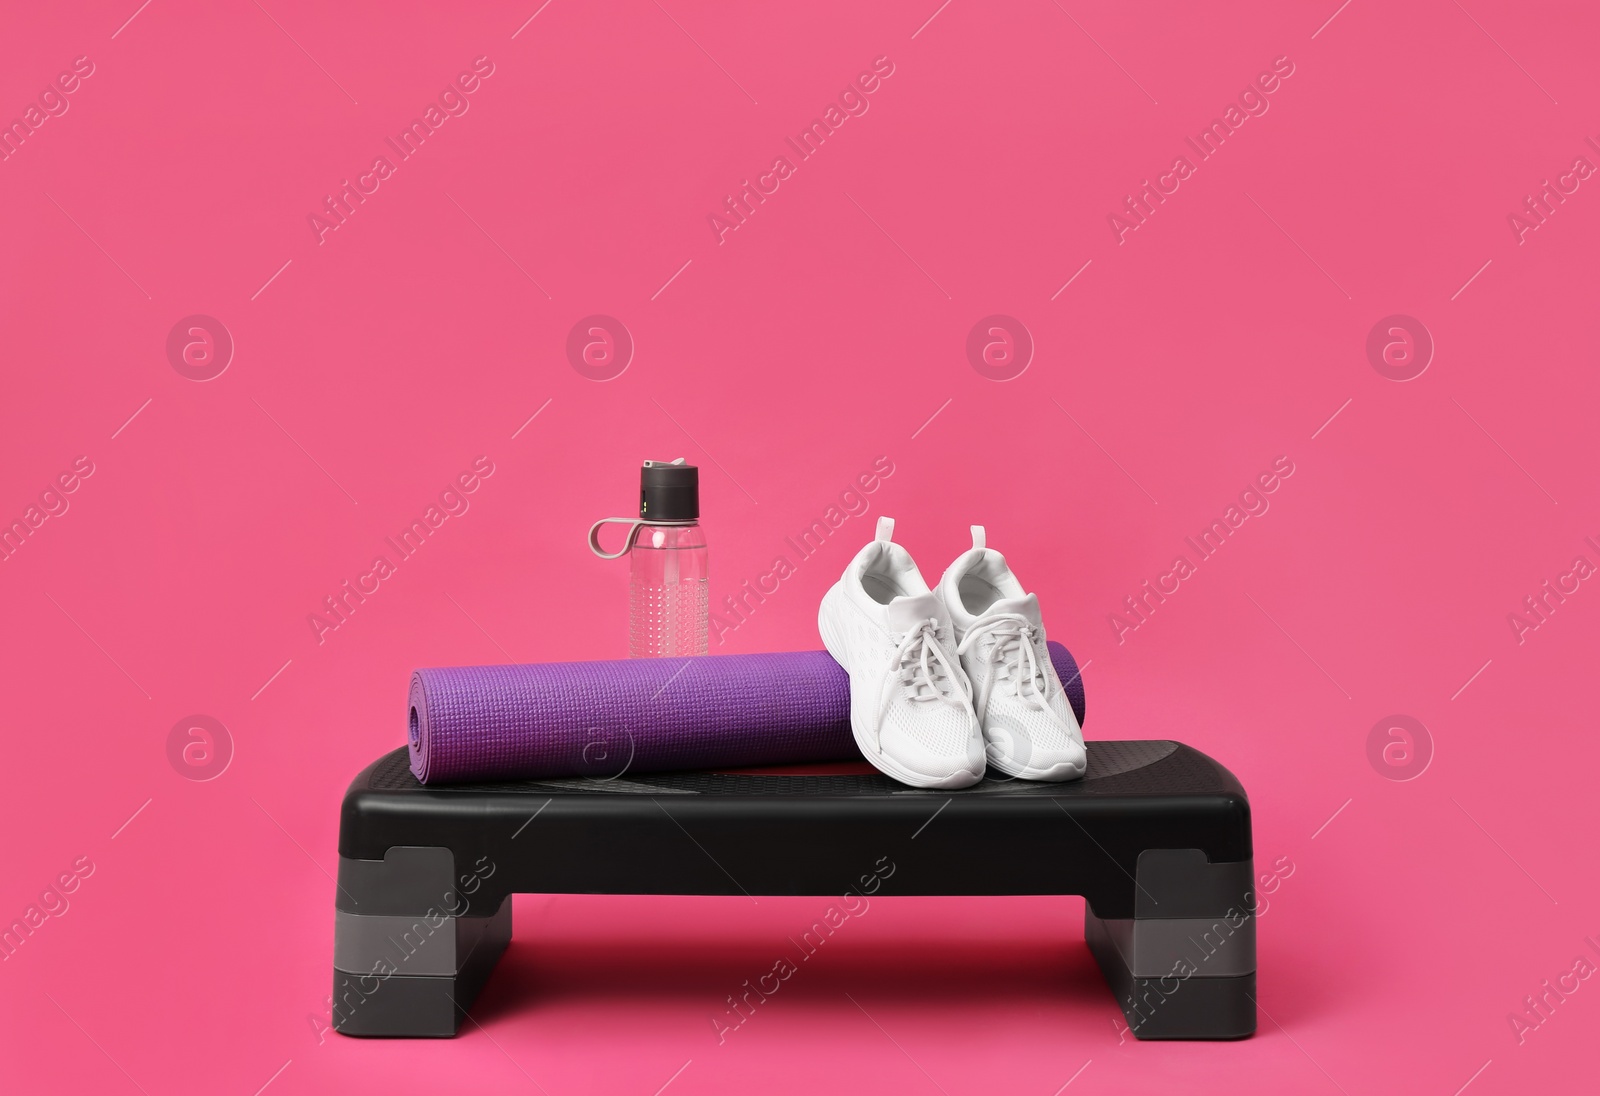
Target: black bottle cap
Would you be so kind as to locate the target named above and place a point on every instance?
(669, 491)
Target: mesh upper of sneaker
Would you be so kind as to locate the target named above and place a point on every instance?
(937, 726)
(932, 732)
(944, 728)
(1051, 727)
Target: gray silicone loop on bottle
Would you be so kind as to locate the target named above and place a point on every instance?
(633, 525)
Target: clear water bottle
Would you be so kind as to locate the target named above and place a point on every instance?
(669, 596)
(669, 599)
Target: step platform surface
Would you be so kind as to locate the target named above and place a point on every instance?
(1155, 837)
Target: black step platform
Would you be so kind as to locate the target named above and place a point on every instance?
(1156, 838)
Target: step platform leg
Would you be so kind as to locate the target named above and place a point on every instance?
(415, 964)
(1184, 966)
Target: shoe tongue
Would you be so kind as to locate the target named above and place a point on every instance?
(1026, 606)
(905, 613)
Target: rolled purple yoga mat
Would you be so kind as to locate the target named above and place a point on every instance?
(603, 719)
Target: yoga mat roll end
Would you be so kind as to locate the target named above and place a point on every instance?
(416, 727)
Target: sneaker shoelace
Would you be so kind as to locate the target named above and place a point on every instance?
(923, 670)
(1015, 660)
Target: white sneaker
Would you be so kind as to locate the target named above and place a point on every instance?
(910, 704)
(1029, 729)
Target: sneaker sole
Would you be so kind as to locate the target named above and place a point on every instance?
(827, 625)
(1055, 774)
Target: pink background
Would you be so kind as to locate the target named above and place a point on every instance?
(827, 331)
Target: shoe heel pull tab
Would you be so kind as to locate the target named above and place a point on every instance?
(886, 529)
(979, 539)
